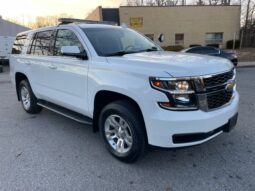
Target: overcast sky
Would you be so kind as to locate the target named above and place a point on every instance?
(27, 10)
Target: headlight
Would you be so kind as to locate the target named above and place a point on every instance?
(181, 93)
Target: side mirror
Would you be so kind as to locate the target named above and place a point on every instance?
(73, 51)
(161, 38)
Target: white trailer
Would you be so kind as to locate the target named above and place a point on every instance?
(6, 43)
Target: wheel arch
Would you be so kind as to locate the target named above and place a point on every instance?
(18, 78)
(104, 97)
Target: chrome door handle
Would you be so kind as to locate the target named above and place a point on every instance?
(53, 67)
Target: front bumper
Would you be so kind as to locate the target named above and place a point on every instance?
(164, 126)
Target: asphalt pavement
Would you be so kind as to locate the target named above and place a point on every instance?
(50, 152)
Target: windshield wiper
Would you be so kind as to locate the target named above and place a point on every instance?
(120, 53)
(154, 48)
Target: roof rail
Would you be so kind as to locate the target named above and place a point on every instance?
(64, 21)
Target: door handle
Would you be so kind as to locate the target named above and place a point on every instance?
(53, 67)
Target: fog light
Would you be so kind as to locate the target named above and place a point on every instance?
(182, 98)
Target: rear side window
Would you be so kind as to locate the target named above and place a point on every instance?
(41, 43)
(19, 44)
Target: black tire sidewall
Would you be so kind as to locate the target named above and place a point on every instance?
(135, 125)
(34, 108)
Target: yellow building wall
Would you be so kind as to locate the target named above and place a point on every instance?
(193, 21)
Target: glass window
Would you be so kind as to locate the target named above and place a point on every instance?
(41, 43)
(214, 38)
(210, 50)
(179, 39)
(66, 38)
(19, 44)
(195, 50)
(204, 50)
(150, 36)
(108, 41)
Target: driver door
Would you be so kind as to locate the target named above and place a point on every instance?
(66, 77)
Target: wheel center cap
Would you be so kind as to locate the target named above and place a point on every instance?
(120, 133)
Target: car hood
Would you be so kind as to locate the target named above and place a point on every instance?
(175, 64)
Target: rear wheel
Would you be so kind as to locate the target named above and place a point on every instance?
(27, 98)
(123, 131)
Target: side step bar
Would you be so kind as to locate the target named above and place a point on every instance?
(66, 112)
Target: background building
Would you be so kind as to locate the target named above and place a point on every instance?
(8, 28)
(105, 14)
(182, 25)
(8, 32)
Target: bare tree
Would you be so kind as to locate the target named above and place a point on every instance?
(225, 2)
(183, 2)
(247, 15)
(150, 2)
(134, 2)
(214, 2)
(44, 21)
(200, 2)
(160, 2)
(154, 2)
(252, 14)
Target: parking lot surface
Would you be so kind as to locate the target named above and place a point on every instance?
(50, 152)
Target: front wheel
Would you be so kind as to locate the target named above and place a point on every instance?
(122, 129)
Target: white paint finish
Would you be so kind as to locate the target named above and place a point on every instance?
(74, 83)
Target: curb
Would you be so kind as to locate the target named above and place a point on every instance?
(246, 66)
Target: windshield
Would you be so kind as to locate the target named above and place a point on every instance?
(118, 41)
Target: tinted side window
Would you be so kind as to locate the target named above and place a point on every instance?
(195, 50)
(41, 43)
(209, 50)
(19, 44)
(66, 38)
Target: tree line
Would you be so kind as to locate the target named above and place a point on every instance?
(180, 2)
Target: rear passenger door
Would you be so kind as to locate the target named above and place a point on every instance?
(66, 78)
(38, 55)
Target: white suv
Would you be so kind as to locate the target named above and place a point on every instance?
(125, 86)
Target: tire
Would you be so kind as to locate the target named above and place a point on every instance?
(27, 98)
(122, 130)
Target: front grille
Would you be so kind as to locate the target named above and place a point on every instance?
(218, 99)
(218, 79)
